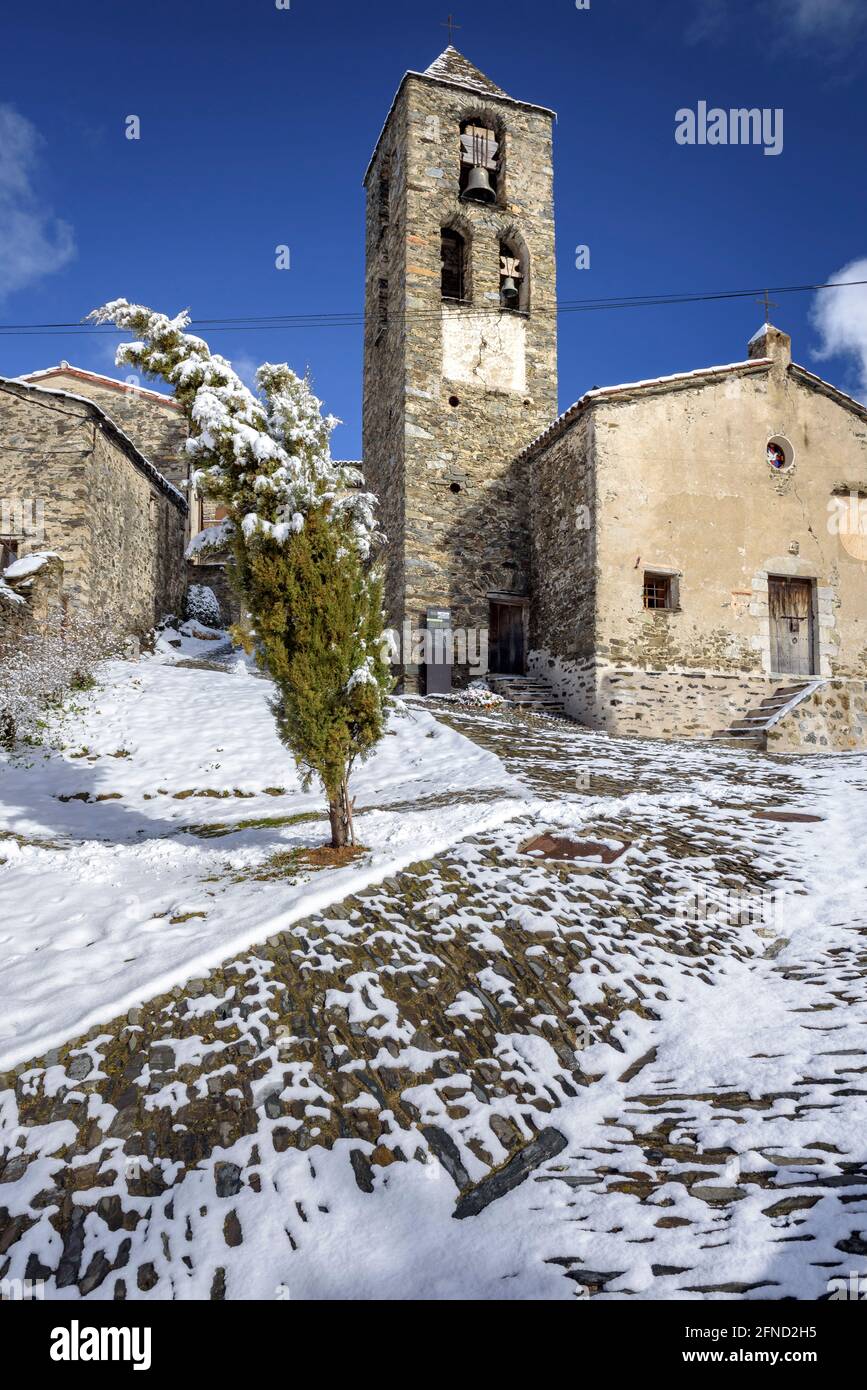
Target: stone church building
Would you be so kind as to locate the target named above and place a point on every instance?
(667, 558)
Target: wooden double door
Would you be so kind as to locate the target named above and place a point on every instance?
(793, 635)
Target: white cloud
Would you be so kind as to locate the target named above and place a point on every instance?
(246, 367)
(34, 242)
(834, 19)
(831, 24)
(840, 318)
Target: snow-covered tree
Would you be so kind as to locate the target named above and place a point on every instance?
(203, 606)
(303, 537)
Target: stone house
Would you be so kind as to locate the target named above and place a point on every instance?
(157, 426)
(664, 556)
(155, 423)
(74, 484)
(689, 548)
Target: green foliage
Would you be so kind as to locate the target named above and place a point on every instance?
(303, 539)
(318, 619)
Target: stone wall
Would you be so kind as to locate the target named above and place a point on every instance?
(116, 524)
(155, 424)
(42, 595)
(454, 391)
(385, 351)
(563, 553)
(636, 703)
(831, 720)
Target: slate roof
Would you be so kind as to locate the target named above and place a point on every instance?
(66, 369)
(452, 66)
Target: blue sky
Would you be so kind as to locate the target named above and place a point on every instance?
(257, 124)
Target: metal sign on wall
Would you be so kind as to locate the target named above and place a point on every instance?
(438, 666)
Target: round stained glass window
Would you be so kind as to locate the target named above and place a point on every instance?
(780, 454)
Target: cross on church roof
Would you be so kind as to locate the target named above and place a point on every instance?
(769, 305)
(451, 26)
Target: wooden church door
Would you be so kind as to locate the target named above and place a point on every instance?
(791, 611)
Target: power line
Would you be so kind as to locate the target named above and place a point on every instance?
(247, 323)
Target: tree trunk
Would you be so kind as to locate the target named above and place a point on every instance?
(340, 815)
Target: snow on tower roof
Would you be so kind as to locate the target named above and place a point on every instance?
(452, 69)
(452, 66)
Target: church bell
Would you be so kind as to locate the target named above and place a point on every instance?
(478, 188)
(509, 290)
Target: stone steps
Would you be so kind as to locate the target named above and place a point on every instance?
(527, 693)
(752, 730)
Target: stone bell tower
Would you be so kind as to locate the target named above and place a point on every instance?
(460, 350)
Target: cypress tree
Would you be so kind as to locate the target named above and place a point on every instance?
(303, 537)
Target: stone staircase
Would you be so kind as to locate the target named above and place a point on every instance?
(752, 730)
(527, 692)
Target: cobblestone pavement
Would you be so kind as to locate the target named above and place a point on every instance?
(494, 1075)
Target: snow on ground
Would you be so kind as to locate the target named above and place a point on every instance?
(685, 1098)
(108, 891)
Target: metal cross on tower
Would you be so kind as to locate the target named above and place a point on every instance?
(451, 26)
(769, 305)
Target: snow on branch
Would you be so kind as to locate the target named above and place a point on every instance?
(267, 455)
(214, 540)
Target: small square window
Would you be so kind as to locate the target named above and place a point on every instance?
(660, 591)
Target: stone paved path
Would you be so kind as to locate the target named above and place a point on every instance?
(620, 1085)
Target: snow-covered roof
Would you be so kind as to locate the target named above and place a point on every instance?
(66, 369)
(452, 66)
(452, 69)
(16, 385)
(819, 383)
(701, 375)
(759, 333)
(753, 364)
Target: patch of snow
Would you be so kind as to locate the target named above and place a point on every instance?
(107, 903)
(9, 595)
(29, 564)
